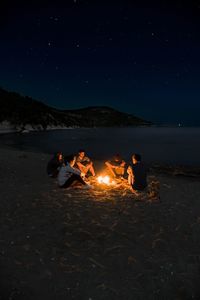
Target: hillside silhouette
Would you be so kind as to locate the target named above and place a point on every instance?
(22, 111)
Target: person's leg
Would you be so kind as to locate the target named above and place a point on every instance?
(81, 168)
(120, 171)
(110, 168)
(86, 169)
(72, 179)
(91, 169)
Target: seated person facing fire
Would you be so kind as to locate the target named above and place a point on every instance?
(69, 176)
(55, 164)
(137, 175)
(84, 163)
(116, 166)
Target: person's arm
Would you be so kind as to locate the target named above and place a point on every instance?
(123, 163)
(80, 166)
(87, 159)
(129, 170)
(110, 167)
(74, 170)
(130, 175)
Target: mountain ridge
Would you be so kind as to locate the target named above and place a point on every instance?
(25, 113)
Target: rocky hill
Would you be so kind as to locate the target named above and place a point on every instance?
(24, 113)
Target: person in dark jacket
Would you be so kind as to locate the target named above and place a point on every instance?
(55, 164)
(137, 174)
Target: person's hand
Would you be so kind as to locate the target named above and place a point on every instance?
(123, 163)
(129, 170)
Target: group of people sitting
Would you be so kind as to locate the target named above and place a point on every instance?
(73, 169)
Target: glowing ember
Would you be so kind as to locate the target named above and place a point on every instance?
(104, 179)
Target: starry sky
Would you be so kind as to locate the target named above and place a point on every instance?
(140, 57)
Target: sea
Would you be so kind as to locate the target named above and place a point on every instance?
(165, 145)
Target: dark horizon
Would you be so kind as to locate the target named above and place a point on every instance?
(154, 123)
(138, 58)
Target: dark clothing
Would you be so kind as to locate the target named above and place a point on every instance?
(116, 163)
(73, 178)
(53, 167)
(140, 176)
(84, 161)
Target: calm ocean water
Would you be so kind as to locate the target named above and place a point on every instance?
(164, 145)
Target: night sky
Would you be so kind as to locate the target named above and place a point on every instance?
(141, 57)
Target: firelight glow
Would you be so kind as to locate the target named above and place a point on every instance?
(104, 179)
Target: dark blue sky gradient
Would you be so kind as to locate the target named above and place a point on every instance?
(140, 57)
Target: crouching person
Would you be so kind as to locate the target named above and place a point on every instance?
(68, 175)
(137, 175)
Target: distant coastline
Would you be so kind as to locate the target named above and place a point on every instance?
(19, 113)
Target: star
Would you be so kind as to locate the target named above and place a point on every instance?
(55, 18)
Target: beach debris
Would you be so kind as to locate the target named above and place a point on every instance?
(166, 185)
(131, 260)
(117, 247)
(154, 190)
(159, 242)
(97, 263)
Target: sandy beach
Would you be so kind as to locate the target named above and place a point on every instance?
(105, 243)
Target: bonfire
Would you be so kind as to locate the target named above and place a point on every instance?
(105, 180)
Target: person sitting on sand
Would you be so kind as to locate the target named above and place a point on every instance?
(116, 166)
(137, 175)
(68, 175)
(55, 164)
(84, 163)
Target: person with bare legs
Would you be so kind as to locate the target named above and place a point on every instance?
(116, 166)
(69, 176)
(84, 163)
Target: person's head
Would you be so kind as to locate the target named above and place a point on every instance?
(136, 158)
(81, 153)
(70, 159)
(117, 157)
(59, 156)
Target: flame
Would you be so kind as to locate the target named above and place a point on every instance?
(104, 179)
